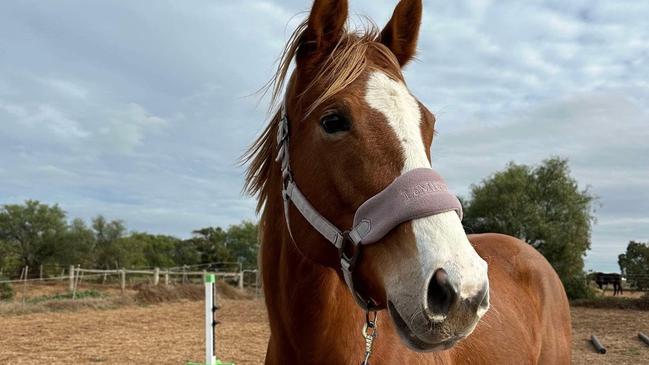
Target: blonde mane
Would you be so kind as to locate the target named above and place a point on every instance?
(344, 65)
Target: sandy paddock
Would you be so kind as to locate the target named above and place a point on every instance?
(173, 334)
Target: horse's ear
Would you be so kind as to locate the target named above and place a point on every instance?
(324, 29)
(401, 32)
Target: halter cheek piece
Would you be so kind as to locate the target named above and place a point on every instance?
(418, 193)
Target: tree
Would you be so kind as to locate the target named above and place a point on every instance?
(634, 264)
(542, 206)
(37, 234)
(210, 244)
(8, 257)
(158, 250)
(110, 252)
(77, 247)
(243, 243)
(32, 230)
(185, 253)
(237, 243)
(128, 251)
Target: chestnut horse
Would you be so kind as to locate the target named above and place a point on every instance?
(355, 128)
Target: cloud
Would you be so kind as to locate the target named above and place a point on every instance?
(603, 136)
(125, 129)
(140, 110)
(67, 88)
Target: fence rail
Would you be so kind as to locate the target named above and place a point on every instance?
(77, 274)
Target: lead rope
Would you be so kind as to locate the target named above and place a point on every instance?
(369, 333)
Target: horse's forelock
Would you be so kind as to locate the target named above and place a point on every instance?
(344, 65)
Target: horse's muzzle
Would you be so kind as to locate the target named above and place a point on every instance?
(442, 316)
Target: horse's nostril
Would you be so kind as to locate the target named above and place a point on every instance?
(441, 295)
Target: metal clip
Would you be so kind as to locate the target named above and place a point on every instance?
(369, 334)
(280, 153)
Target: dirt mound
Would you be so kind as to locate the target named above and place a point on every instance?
(227, 291)
(148, 294)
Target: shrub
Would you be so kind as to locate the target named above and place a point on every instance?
(6, 290)
(641, 303)
(577, 288)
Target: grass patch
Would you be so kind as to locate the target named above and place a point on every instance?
(61, 305)
(632, 351)
(97, 300)
(80, 295)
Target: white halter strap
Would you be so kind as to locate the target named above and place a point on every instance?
(291, 193)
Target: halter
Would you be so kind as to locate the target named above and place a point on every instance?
(415, 194)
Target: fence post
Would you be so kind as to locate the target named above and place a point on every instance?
(77, 276)
(41, 272)
(71, 274)
(210, 323)
(25, 284)
(167, 277)
(241, 280)
(123, 275)
(156, 276)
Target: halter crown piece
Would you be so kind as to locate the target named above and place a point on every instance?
(416, 194)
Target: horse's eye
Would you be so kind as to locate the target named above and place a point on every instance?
(334, 123)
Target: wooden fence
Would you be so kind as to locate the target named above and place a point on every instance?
(76, 274)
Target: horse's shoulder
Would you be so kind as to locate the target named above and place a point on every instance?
(503, 247)
(513, 256)
(526, 290)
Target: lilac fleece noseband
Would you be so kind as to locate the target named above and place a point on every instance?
(417, 193)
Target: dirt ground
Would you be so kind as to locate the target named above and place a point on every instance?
(157, 334)
(618, 332)
(608, 292)
(173, 334)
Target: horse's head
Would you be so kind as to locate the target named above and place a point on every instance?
(355, 127)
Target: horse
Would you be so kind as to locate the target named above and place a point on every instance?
(603, 279)
(420, 291)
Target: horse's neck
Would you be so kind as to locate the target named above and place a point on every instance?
(313, 318)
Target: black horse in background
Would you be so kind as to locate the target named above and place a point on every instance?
(603, 279)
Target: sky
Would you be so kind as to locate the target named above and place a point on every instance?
(140, 110)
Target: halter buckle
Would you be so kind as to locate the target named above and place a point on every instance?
(349, 259)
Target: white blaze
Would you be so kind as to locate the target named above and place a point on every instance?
(441, 240)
